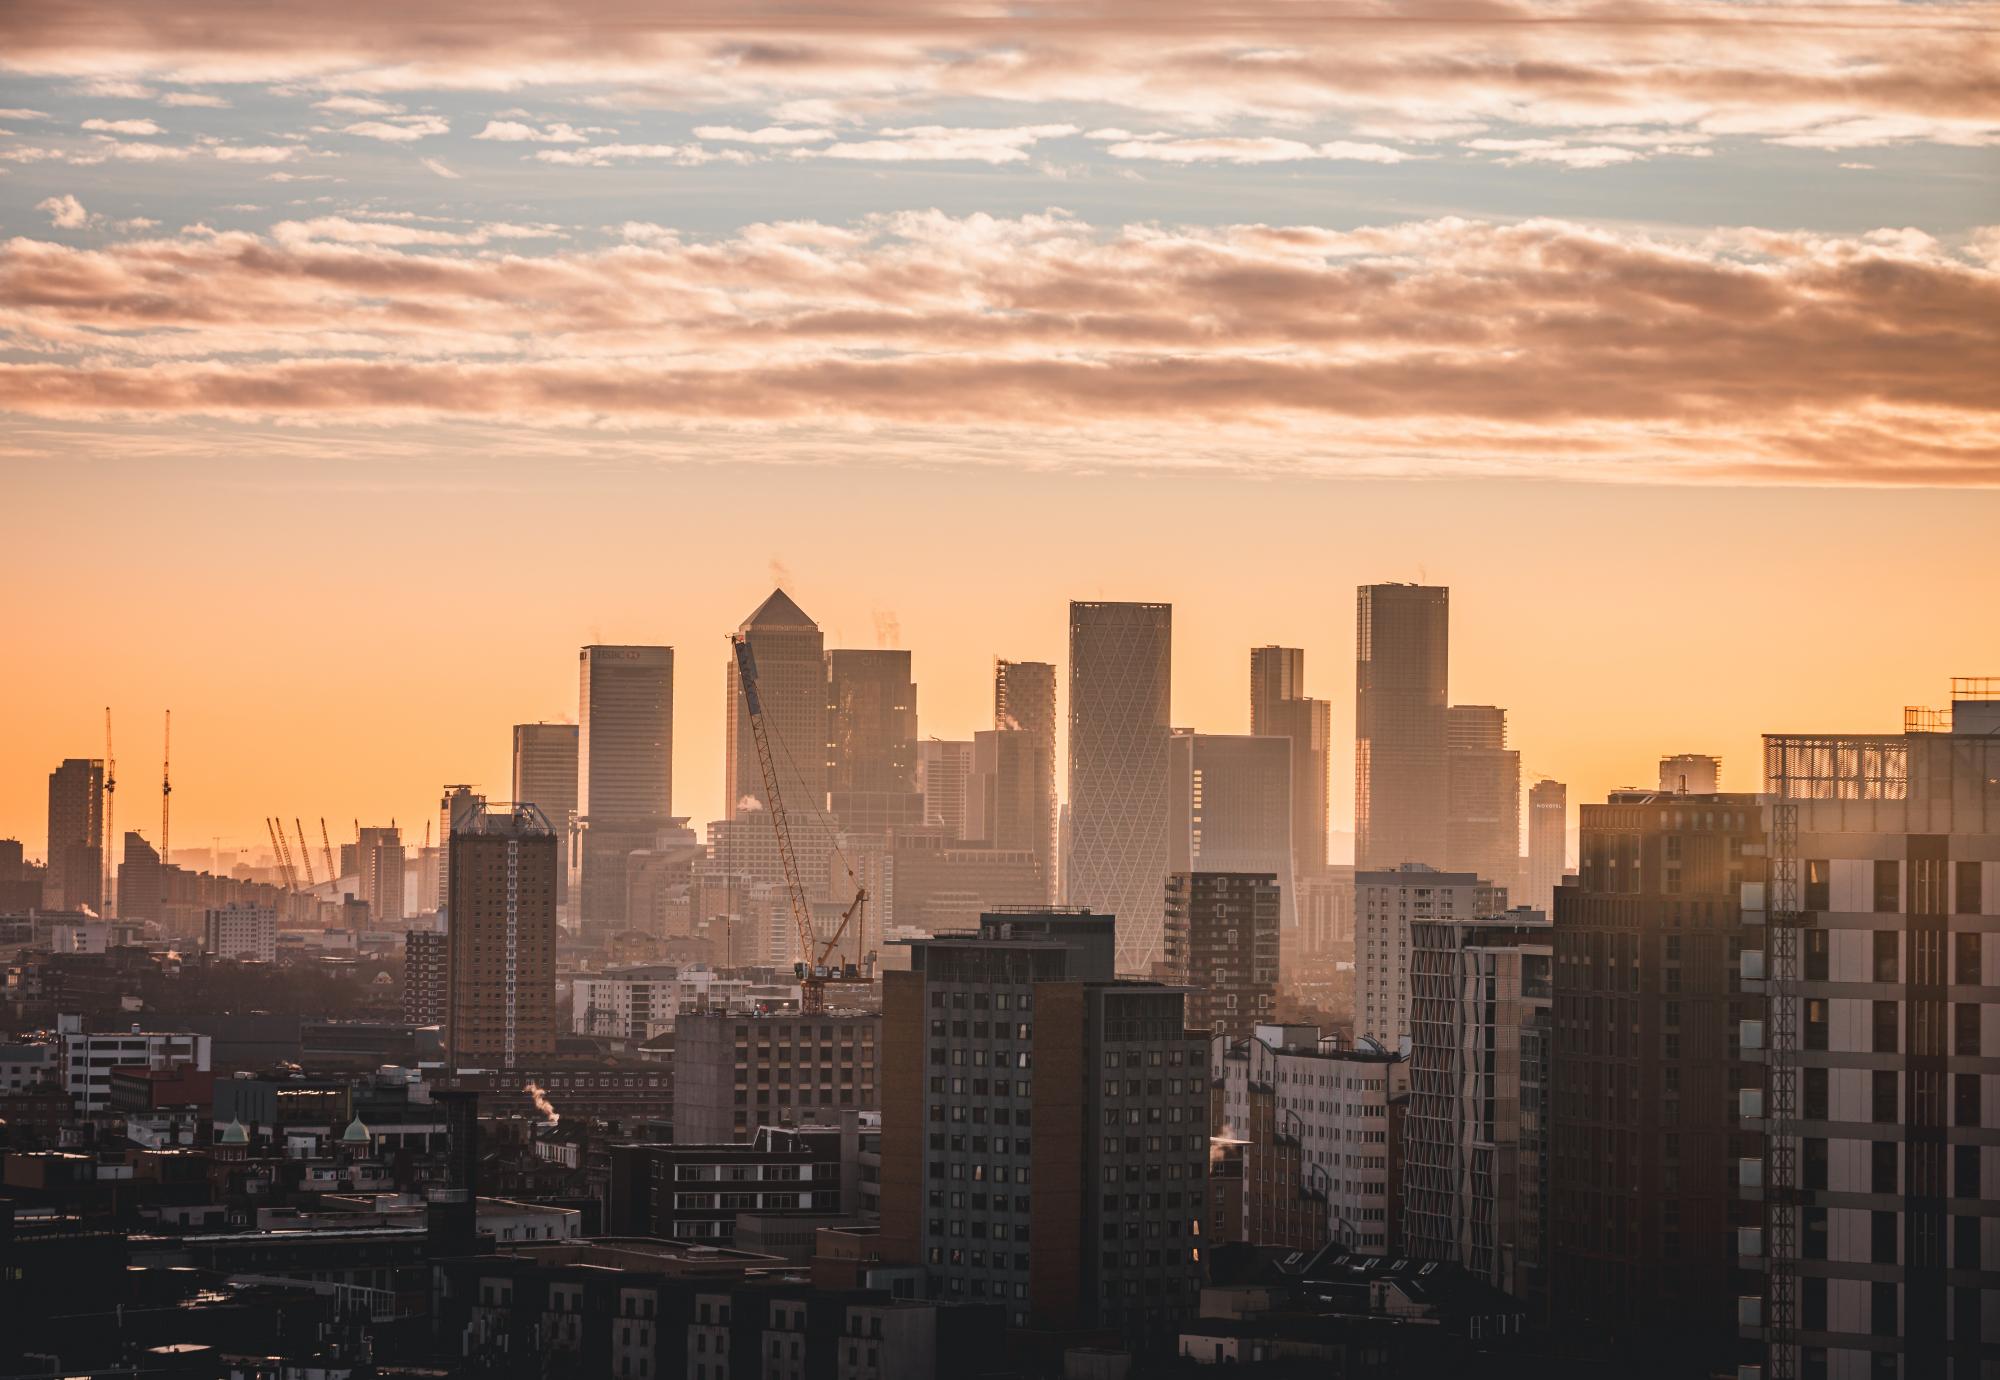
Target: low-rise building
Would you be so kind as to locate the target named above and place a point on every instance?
(734, 1072)
(88, 1057)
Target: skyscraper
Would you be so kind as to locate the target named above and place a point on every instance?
(1003, 805)
(501, 974)
(1232, 809)
(1548, 843)
(1024, 698)
(75, 876)
(1483, 827)
(1386, 904)
(1120, 689)
(625, 767)
(1279, 707)
(791, 677)
(379, 860)
(1401, 781)
(457, 799)
(545, 776)
(944, 774)
(1222, 945)
(871, 740)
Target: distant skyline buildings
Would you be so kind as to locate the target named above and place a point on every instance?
(1483, 826)
(871, 739)
(1401, 686)
(1120, 706)
(546, 772)
(1280, 707)
(1548, 843)
(625, 766)
(791, 677)
(1231, 809)
(75, 859)
(1024, 698)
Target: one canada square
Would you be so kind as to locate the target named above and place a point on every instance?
(1119, 691)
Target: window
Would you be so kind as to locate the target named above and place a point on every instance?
(1812, 1303)
(1886, 1023)
(1812, 1233)
(1965, 958)
(1885, 1100)
(1967, 900)
(1965, 1099)
(1887, 966)
(1819, 891)
(1965, 1028)
(1965, 1174)
(1882, 1238)
(1816, 1024)
(1888, 886)
(1965, 1242)
(1813, 1156)
(1882, 1167)
(1882, 1309)
(1816, 955)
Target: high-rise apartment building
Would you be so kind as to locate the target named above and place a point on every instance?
(1280, 707)
(1024, 699)
(1483, 826)
(871, 740)
(625, 768)
(944, 775)
(1120, 794)
(379, 858)
(1644, 1068)
(75, 876)
(735, 1072)
(501, 970)
(1320, 1121)
(1548, 843)
(1386, 904)
(1878, 966)
(1232, 809)
(247, 933)
(141, 882)
(1044, 1128)
(426, 984)
(545, 776)
(1402, 785)
(455, 801)
(1691, 773)
(1475, 1153)
(791, 679)
(1222, 945)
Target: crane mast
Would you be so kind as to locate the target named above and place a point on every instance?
(305, 853)
(106, 900)
(813, 974)
(166, 792)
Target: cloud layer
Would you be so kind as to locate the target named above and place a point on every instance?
(1543, 346)
(1821, 75)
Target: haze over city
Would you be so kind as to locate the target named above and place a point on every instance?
(919, 689)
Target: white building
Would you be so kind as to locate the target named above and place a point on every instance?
(25, 1066)
(1334, 1101)
(1384, 905)
(89, 1056)
(639, 1003)
(248, 933)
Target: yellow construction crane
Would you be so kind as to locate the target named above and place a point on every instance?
(813, 973)
(305, 853)
(110, 814)
(166, 795)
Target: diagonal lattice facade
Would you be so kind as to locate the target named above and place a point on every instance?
(1119, 689)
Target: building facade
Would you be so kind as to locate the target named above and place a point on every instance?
(871, 740)
(88, 1057)
(248, 933)
(1483, 828)
(500, 1010)
(75, 860)
(1548, 844)
(546, 772)
(735, 1072)
(1386, 904)
(1402, 788)
(1222, 945)
(1280, 707)
(625, 769)
(1024, 701)
(791, 675)
(1120, 795)
(1232, 809)
(426, 986)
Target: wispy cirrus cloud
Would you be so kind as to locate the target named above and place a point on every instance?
(941, 144)
(769, 134)
(1166, 148)
(1544, 347)
(399, 129)
(515, 132)
(102, 126)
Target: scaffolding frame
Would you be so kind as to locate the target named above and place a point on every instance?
(1781, 1195)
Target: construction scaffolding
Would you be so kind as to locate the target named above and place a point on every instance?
(1781, 1130)
(1836, 767)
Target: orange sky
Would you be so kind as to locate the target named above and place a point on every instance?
(339, 639)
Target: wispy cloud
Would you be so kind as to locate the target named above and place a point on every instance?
(65, 212)
(514, 132)
(1165, 148)
(399, 129)
(123, 126)
(1544, 347)
(438, 166)
(769, 134)
(194, 100)
(942, 144)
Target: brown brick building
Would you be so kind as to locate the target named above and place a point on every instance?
(501, 1006)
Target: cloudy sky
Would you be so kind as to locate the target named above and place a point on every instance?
(300, 290)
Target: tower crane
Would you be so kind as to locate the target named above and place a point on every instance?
(813, 973)
(305, 853)
(166, 793)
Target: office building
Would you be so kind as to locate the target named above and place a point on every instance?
(379, 862)
(1402, 786)
(871, 740)
(1879, 1250)
(75, 860)
(500, 1009)
(141, 880)
(1319, 1121)
(925, 880)
(1120, 795)
(1231, 809)
(1280, 707)
(693, 1192)
(625, 769)
(1690, 773)
(1483, 826)
(1645, 1066)
(457, 801)
(426, 979)
(1044, 1128)
(643, 1001)
(735, 1072)
(1385, 906)
(1024, 699)
(791, 676)
(944, 775)
(1475, 1161)
(1222, 945)
(88, 1057)
(247, 933)
(1003, 807)
(1548, 843)
(545, 776)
